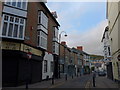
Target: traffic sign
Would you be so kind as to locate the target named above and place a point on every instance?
(29, 55)
(118, 57)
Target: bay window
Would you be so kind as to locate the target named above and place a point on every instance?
(21, 4)
(42, 30)
(42, 40)
(13, 27)
(42, 19)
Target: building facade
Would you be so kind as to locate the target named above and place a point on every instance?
(107, 53)
(113, 16)
(27, 32)
(106, 45)
(1, 11)
(86, 63)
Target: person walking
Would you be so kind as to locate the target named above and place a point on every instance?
(94, 76)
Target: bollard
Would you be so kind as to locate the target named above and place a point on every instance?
(93, 81)
(26, 84)
(80, 74)
(52, 80)
(66, 77)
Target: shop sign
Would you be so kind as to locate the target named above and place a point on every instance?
(10, 45)
(34, 51)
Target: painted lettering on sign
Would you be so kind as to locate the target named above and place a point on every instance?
(10, 46)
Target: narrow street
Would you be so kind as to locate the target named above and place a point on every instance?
(84, 81)
(80, 82)
(60, 44)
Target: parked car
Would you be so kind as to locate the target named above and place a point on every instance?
(101, 73)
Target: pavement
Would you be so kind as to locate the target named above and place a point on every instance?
(84, 81)
(104, 82)
(46, 83)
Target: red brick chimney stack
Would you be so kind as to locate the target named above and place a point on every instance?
(63, 43)
(80, 48)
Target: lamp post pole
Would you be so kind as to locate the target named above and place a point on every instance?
(59, 50)
(29, 55)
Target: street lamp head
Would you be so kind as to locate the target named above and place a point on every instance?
(65, 35)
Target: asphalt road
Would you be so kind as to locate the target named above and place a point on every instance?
(80, 82)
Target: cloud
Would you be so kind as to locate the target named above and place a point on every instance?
(69, 15)
(90, 40)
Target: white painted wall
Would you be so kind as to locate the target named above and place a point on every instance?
(49, 58)
(113, 18)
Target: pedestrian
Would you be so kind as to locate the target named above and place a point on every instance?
(94, 76)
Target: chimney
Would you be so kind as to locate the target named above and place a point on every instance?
(80, 48)
(54, 14)
(63, 43)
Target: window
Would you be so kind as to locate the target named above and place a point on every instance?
(8, 2)
(15, 30)
(13, 27)
(24, 5)
(4, 28)
(10, 29)
(53, 47)
(42, 39)
(42, 19)
(52, 66)
(21, 31)
(109, 51)
(21, 4)
(13, 3)
(45, 66)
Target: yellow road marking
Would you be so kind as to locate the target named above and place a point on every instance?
(57, 85)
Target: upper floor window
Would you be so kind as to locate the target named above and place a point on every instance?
(55, 32)
(42, 39)
(21, 4)
(42, 19)
(13, 27)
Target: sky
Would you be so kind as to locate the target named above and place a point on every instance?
(84, 23)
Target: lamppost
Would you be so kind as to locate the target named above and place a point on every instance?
(29, 56)
(59, 47)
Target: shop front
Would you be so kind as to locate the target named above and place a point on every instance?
(17, 67)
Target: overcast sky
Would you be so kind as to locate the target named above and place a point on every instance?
(84, 23)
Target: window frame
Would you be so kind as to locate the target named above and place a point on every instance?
(45, 66)
(52, 66)
(41, 37)
(10, 3)
(42, 17)
(13, 29)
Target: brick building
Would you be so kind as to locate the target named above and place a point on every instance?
(27, 33)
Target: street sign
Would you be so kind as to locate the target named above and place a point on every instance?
(29, 55)
(118, 57)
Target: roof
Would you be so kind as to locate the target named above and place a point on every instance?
(43, 4)
(76, 50)
(106, 29)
